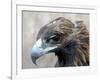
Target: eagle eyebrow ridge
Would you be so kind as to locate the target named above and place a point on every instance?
(52, 36)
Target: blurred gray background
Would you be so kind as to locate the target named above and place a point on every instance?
(32, 22)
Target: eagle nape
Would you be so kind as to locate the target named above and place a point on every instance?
(70, 43)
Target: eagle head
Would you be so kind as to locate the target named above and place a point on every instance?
(51, 37)
(68, 42)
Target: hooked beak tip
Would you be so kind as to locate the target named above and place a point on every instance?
(34, 59)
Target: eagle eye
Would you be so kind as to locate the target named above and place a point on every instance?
(53, 39)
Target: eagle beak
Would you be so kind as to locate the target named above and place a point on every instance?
(38, 50)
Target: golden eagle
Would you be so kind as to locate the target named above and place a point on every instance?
(68, 41)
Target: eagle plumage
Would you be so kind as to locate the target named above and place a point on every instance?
(68, 41)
